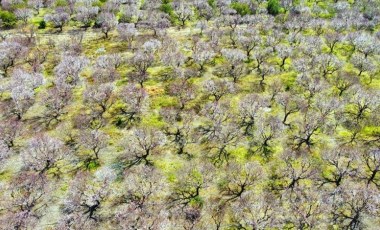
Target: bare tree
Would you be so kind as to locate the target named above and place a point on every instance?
(86, 14)
(68, 70)
(202, 53)
(141, 202)
(218, 88)
(107, 22)
(59, 18)
(85, 198)
(24, 200)
(370, 159)
(95, 141)
(183, 11)
(127, 32)
(239, 179)
(99, 98)
(10, 52)
(135, 102)
(342, 165)
(141, 61)
(148, 142)
(43, 153)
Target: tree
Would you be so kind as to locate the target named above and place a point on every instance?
(221, 138)
(22, 90)
(72, 46)
(141, 61)
(157, 22)
(204, 10)
(186, 189)
(332, 39)
(95, 141)
(260, 56)
(232, 21)
(173, 55)
(183, 91)
(129, 13)
(86, 14)
(295, 174)
(249, 108)
(7, 19)
(326, 65)
(370, 159)
(105, 68)
(255, 211)
(141, 201)
(362, 64)
(273, 7)
(85, 198)
(341, 162)
(202, 53)
(215, 114)
(70, 5)
(311, 86)
(343, 81)
(248, 40)
(352, 203)
(23, 14)
(24, 200)
(264, 135)
(218, 88)
(135, 102)
(9, 131)
(54, 102)
(127, 32)
(106, 22)
(59, 18)
(36, 5)
(99, 98)
(264, 71)
(5, 152)
(239, 179)
(182, 11)
(365, 44)
(36, 58)
(235, 62)
(201, 25)
(362, 103)
(290, 104)
(68, 70)
(284, 53)
(308, 128)
(43, 153)
(185, 199)
(178, 130)
(303, 208)
(10, 52)
(241, 8)
(148, 142)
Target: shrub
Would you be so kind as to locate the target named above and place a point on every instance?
(211, 3)
(166, 8)
(273, 7)
(42, 25)
(8, 19)
(241, 8)
(60, 3)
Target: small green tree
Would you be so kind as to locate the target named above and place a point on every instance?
(42, 25)
(273, 7)
(7, 19)
(241, 8)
